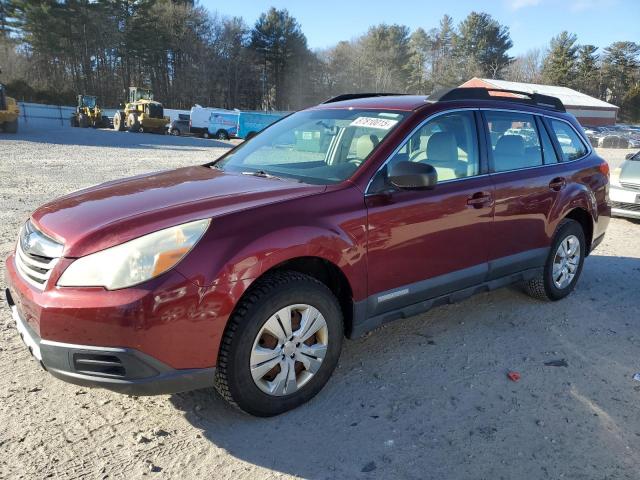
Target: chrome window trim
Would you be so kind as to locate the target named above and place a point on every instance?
(482, 109)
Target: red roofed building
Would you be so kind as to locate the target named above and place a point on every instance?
(588, 110)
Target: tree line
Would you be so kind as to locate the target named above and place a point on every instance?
(50, 51)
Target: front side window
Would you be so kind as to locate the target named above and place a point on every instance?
(321, 146)
(448, 143)
(514, 140)
(570, 144)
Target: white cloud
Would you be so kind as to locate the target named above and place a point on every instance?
(582, 5)
(518, 4)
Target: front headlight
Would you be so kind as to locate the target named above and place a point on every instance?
(135, 261)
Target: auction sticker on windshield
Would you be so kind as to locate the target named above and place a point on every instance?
(382, 123)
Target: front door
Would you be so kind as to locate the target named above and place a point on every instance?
(423, 244)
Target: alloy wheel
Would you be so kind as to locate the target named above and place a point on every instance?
(566, 262)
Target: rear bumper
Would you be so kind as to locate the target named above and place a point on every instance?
(124, 370)
(624, 202)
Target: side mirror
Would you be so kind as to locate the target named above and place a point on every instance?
(413, 176)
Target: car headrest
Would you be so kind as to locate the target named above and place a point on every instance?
(442, 147)
(365, 145)
(510, 145)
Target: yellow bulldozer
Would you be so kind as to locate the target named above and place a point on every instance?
(141, 114)
(9, 112)
(88, 113)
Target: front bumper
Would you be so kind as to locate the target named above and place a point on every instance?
(625, 202)
(124, 370)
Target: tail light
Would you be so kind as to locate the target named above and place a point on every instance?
(604, 168)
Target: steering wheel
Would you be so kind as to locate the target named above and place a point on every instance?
(414, 156)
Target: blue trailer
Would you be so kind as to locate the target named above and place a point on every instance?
(225, 125)
(251, 123)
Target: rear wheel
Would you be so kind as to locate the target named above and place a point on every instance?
(175, 132)
(206, 134)
(222, 135)
(563, 266)
(83, 121)
(281, 345)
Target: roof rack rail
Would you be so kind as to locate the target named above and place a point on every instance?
(475, 93)
(354, 96)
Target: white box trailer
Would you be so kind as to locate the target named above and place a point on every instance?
(199, 119)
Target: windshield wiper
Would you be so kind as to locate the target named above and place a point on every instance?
(260, 173)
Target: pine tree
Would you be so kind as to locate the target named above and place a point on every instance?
(482, 44)
(559, 68)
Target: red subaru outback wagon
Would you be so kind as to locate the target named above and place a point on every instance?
(248, 272)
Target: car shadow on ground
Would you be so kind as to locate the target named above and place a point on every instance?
(89, 137)
(426, 396)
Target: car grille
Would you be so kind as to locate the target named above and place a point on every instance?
(36, 255)
(634, 207)
(630, 186)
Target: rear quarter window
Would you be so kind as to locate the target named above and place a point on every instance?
(571, 144)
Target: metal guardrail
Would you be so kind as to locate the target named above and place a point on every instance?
(49, 115)
(39, 115)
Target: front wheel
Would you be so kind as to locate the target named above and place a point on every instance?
(281, 345)
(133, 123)
(563, 266)
(11, 127)
(118, 121)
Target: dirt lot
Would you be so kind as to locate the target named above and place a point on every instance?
(423, 398)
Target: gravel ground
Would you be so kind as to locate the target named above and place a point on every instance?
(426, 397)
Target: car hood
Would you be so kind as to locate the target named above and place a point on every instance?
(115, 212)
(630, 172)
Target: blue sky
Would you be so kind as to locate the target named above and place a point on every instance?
(532, 22)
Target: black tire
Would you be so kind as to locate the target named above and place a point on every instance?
(118, 121)
(83, 121)
(269, 294)
(73, 121)
(175, 132)
(543, 287)
(222, 135)
(206, 135)
(11, 127)
(133, 123)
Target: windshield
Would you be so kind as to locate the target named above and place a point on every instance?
(89, 102)
(314, 146)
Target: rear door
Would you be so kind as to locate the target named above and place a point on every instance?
(528, 181)
(423, 244)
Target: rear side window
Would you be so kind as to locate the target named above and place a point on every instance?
(570, 143)
(514, 140)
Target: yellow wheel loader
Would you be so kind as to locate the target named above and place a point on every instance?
(141, 113)
(88, 113)
(9, 112)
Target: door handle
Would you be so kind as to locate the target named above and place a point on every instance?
(557, 184)
(480, 199)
